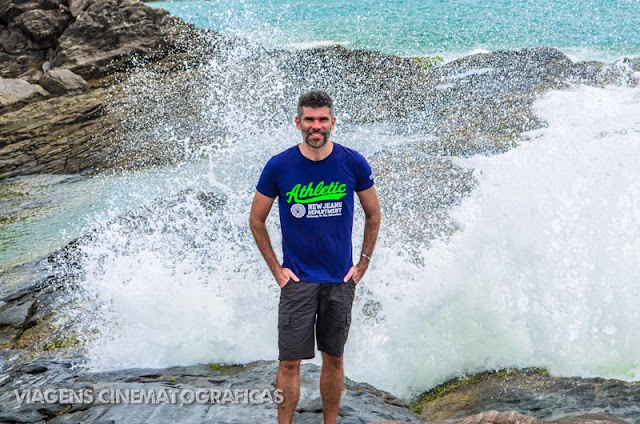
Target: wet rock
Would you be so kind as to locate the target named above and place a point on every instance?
(533, 393)
(59, 81)
(35, 369)
(15, 314)
(358, 407)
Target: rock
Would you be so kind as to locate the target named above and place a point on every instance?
(46, 373)
(108, 34)
(15, 314)
(43, 26)
(78, 6)
(12, 66)
(35, 77)
(513, 417)
(54, 136)
(59, 81)
(534, 393)
(590, 419)
(495, 417)
(5, 5)
(15, 90)
(8, 334)
(93, 38)
(13, 41)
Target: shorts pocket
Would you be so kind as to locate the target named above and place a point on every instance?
(283, 320)
(287, 285)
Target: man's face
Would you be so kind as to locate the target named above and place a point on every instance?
(316, 125)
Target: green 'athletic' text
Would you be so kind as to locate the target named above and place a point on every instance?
(309, 193)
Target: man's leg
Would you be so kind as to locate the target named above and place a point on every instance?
(331, 383)
(296, 319)
(288, 380)
(332, 329)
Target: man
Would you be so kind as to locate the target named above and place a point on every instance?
(315, 181)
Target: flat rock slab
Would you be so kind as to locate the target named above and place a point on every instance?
(15, 315)
(60, 80)
(16, 90)
(60, 393)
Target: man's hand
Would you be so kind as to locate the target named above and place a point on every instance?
(283, 275)
(357, 271)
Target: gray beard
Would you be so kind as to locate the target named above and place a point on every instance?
(326, 138)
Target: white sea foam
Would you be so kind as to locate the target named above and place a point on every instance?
(319, 43)
(543, 271)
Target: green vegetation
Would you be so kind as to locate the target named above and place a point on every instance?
(8, 194)
(225, 369)
(427, 62)
(67, 342)
(451, 386)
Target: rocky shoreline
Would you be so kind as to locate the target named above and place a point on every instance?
(41, 351)
(72, 77)
(69, 67)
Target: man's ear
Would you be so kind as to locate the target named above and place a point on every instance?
(297, 120)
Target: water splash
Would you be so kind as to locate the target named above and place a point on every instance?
(538, 269)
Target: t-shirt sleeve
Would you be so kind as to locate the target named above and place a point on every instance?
(267, 184)
(364, 174)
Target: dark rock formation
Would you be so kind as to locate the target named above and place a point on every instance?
(57, 134)
(361, 403)
(52, 48)
(92, 38)
(533, 393)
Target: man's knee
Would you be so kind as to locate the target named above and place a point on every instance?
(289, 367)
(333, 362)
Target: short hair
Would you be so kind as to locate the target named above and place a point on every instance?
(315, 99)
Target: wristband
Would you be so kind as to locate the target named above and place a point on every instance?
(366, 256)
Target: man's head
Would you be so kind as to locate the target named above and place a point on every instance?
(315, 99)
(315, 118)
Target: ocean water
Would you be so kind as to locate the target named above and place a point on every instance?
(604, 30)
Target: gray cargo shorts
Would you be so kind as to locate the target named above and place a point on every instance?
(306, 308)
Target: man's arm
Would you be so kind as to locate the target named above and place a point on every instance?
(257, 222)
(371, 206)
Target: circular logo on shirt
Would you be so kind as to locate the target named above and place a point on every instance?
(298, 210)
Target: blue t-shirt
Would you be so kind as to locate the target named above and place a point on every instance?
(316, 209)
